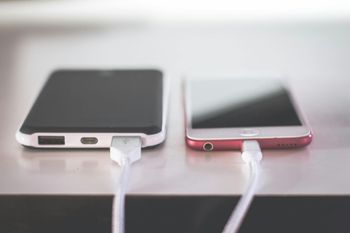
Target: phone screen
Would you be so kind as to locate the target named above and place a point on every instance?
(126, 101)
(240, 103)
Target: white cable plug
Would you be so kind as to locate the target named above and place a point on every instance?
(251, 154)
(124, 151)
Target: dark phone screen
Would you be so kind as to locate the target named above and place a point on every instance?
(126, 101)
(241, 103)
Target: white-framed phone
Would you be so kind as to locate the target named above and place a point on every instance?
(86, 108)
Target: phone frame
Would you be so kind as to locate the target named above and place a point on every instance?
(232, 138)
(73, 140)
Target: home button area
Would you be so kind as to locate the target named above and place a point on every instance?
(249, 132)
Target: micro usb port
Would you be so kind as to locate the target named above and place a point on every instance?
(51, 140)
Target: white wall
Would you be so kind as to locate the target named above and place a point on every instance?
(101, 11)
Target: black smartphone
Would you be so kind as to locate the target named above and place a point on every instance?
(86, 108)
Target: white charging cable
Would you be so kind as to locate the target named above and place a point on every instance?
(124, 151)
(251, 154)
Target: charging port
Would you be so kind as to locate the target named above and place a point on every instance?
(51, 140)
(88, 140)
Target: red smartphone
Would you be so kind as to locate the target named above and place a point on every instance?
(221, 114)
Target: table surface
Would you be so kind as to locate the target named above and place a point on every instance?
(314, 56)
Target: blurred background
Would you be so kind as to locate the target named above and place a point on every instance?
(53, 12)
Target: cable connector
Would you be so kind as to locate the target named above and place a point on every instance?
(125, 149)
(251, 154)
(251, 151)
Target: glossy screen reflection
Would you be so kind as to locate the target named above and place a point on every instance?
(241, 103)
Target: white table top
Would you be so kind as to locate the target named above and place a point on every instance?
(315, 56)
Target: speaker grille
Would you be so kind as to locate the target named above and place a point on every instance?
(286, 145)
